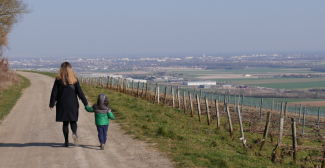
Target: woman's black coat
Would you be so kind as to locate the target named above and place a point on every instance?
(65, 96)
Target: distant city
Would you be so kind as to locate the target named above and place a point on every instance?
(155, 64)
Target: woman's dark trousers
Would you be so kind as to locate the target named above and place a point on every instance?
(102, 133)
(65, 128)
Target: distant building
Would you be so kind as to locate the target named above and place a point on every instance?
(136, 80)
(159, 80)
(199, 83)
(226, 86)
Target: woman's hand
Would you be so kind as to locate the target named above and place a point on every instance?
(51, 109)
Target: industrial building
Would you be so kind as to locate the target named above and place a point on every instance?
(191, 83)
(136, 80)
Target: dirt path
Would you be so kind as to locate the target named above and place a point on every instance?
(30, 137)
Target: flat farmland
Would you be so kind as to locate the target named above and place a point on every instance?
(294, 85)
(191, 71)
(252, 81)
(237, 73)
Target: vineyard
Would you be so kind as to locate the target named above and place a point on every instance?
(292, 134)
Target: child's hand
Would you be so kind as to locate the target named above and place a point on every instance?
(89, 109)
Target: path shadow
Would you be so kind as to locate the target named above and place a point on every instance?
(53, 145)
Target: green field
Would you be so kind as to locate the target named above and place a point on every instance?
(293, 85)
(244, 71)
(253, 80)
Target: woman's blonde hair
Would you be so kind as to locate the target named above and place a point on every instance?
(66, 73)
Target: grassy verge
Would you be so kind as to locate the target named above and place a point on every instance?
(10, 95)
(187, 141)
(54, 75)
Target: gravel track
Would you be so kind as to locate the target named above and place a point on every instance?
(30, 137)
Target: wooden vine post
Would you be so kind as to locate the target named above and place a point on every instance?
(267, 124)
(184, 101)
(142, 93)
(103, 84)
(157, 94)
(126, 87)
(229, 121)
(261, 109)
(146, 94)
(198, 106)
(165, 96)
(303, 122)
(224, 103)
(178, 98)
(112, 83)
(318, 117)
(123, 85)
(138, 89)
(173, 98)
(242, 105)
(119, 84)
(277, 151)
(208, 113)
(285, 109)
(241, 128)
(235, 104)
(107, 86)
(217, 111)
(132, 88)
(191, 104)
(149, 96)
(294, 141)
(300, 108)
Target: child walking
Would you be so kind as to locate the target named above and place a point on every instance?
(102, 115)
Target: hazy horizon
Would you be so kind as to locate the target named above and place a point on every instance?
(169, 28)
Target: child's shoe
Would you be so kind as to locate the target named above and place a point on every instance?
(75, 139)
(102, 146)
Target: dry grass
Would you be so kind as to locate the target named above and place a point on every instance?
(8, 78)
(309, 103)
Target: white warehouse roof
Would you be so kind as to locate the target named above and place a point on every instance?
(136, 80)
(199, 83)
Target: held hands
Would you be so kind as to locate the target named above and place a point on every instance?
(89, 109)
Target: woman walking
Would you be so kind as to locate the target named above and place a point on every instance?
(65, 90)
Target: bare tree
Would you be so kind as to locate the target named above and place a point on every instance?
(11, 12)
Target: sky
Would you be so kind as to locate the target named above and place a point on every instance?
(168, 27)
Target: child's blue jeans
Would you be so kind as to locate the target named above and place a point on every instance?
(102, 133)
